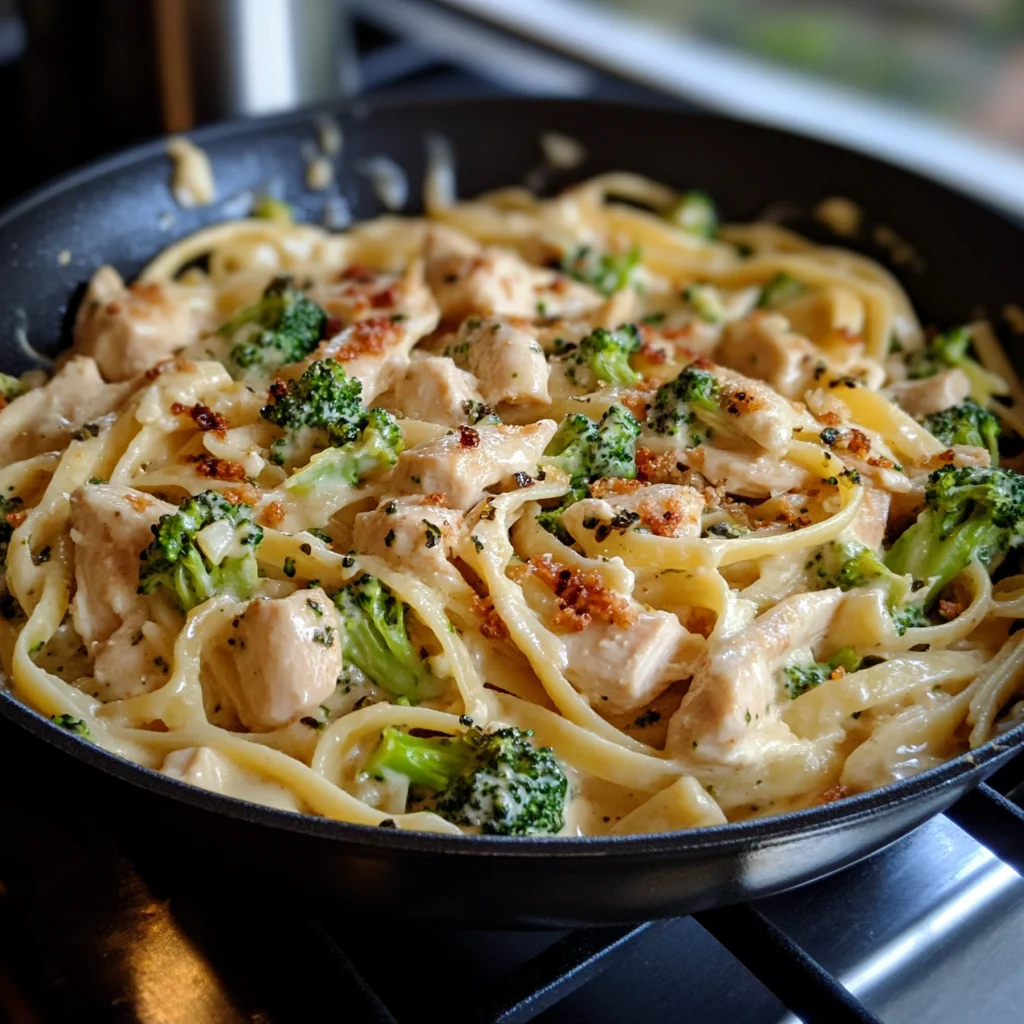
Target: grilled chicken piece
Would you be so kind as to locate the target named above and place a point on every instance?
(110, 527)
(131, 661)
(749, 474)
(462, 464)
(286, 655)
(361, 293)
(376, 349)
(734, 689)
(44, 419)
(128, 330)
(468, 279)
(410, 534)
(621, 669)
(921, 398)
(433, 388)
(765, 348)
(507, 361)
(759, 413)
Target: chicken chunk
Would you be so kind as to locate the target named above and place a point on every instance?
(873, 518)
(765, 348)
(128, 330)
(376, 349)
(433, 388)
(286, 655)
(410, 534)
(622, 669)
(45, 418)
(921, 398)
(666, 510)
(759, 413)
(360, 293)
(130, 662)
(110, 527)
(462, 464)
(733, 691)
(467, 279)
(749, 474)
(507, 361)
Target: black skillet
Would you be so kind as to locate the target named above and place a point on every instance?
(117, 211)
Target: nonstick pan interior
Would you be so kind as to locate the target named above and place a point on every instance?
(965, 259)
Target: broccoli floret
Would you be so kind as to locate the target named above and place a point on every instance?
(851, 566)
(606, 355)
(943, 352)
(706, 302)
(695, 213)
(969, 513)
(288, 327)
(268, 208)
(497, 781)
(375, 639)
(672, 411)
(951, 351)
(10, 387)
(9, 509)
(799, 679)
(588, 451)
(966, 424)
(782, 288)
(378, 445)
(207, 547)
(76, 725)
(607, 272)
(322, 410)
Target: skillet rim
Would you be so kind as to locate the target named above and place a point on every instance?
(756, 833)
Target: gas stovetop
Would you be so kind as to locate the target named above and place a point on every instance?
(98, 927)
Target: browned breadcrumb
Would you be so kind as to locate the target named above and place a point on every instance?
(857, 443)
(368, 337)
(468, 437)
(614, 485)
(830, 419)
(658, 467)
(582, 596)
(637, 403)
(217, 469)
(881, 462)
(834, 793)
(139, 502)
(242, 494)
(273, 515)
(205, 418)
(950, 610)
(491, 624)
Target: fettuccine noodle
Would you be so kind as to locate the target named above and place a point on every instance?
(676, 618)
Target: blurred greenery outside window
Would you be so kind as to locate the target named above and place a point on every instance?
(958, 59)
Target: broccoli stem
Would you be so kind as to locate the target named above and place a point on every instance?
(433, 762)
(940, 563)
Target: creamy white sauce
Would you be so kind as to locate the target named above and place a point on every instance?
(192, 183)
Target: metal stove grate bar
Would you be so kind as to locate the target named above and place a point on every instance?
(994, 821)
(783, 967)
(560, 970)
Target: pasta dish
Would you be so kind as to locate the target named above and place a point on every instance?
(573, 516)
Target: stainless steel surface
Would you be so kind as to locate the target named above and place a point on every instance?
(249, 57)
(913, 931)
